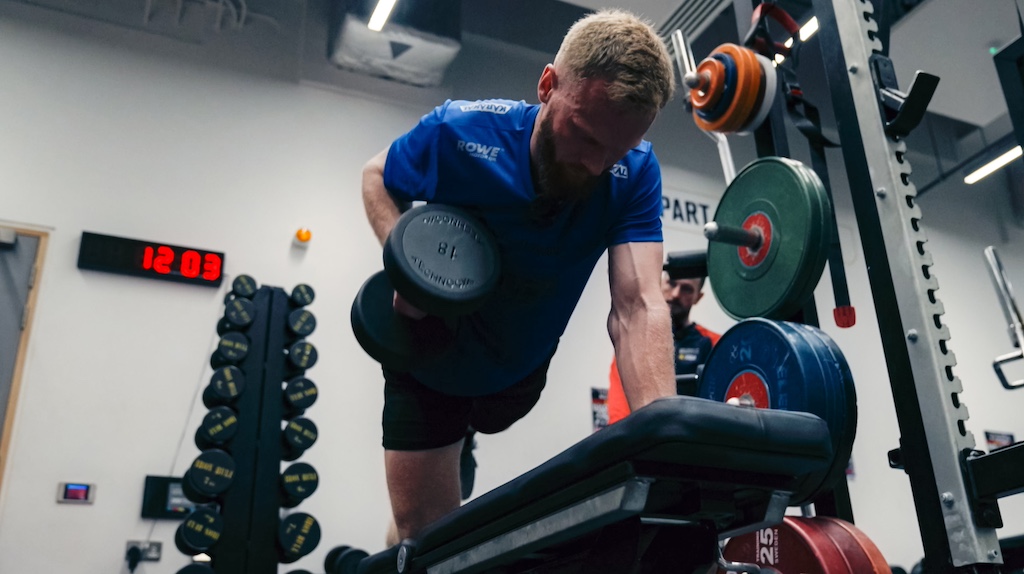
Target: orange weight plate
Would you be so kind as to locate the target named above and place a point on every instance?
(712, 83)
(745, 93)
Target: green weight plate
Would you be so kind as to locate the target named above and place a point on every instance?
(787, 202)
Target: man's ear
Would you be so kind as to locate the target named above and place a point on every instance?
(547, 84)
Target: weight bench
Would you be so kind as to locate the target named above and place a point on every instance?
(651, 493)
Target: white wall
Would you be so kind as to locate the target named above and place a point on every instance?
(97, 137)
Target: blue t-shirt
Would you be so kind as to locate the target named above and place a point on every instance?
(476, 155)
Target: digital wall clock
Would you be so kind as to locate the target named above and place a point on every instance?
(150, 259)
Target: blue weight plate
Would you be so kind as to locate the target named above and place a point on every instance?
(759, 360)
(728, 90)
(839, 410)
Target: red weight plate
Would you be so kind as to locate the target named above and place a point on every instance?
(860, 551)
(795, 546)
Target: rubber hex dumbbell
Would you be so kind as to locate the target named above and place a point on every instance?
(440, 260)
(298, 435)
(238, 316)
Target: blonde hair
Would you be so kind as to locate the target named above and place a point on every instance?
(623, 50)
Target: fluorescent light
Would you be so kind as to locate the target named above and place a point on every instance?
(806, 32)
(380, 15)
(809, 29)
(985, 170)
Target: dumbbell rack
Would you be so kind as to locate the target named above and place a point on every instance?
(251, 506)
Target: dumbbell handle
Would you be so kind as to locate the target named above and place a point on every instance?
(733, 235)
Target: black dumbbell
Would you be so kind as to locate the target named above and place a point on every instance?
(299, 394)
(211, 473)
(302, 355)
(297, 535)
(298, 435)
(231, 350)
(343, 560)
(301, 295)
(301, 324)
(443, 262)
(217, 429)
(238, 316)
(200, 530)
(226, 385)
(244, 286)
(298, 482)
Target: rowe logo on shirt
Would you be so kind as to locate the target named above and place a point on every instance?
(620, 171)
(488, 152)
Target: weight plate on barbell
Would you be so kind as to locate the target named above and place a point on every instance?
(789, 205)
(787, 366)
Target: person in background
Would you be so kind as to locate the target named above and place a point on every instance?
(693, 343)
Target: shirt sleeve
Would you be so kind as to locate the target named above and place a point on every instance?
(410, 173)
(641, 217)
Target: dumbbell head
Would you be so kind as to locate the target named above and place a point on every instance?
(226, 385)
(200, 530)
(298, 482)
(301, 323)
(299, 394)
(343, 560)
(442, 260)
(392, 339)
(210, 474)
(231, 349)
(238, 315)
(298, 435)
(244, 286)
(218, 428)
(302, 295)
(297, 535)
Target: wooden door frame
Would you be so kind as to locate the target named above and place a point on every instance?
(19, 361)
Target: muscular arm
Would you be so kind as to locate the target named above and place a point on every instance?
(382, 210)
(639, 323)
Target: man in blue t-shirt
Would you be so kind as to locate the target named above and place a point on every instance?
(558, 184)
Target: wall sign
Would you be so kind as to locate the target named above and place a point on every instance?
(150, 259)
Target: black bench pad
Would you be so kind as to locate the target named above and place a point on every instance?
(674, 438)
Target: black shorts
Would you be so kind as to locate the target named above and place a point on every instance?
(417, 417)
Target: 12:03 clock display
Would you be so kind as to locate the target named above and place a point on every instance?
(150, 259)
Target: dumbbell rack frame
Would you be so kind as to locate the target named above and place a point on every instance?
(957, 526)
(251, 506)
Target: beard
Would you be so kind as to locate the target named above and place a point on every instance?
(557, 184)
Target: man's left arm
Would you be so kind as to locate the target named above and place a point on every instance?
(639, 323)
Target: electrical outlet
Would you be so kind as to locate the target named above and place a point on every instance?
(150, 550)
